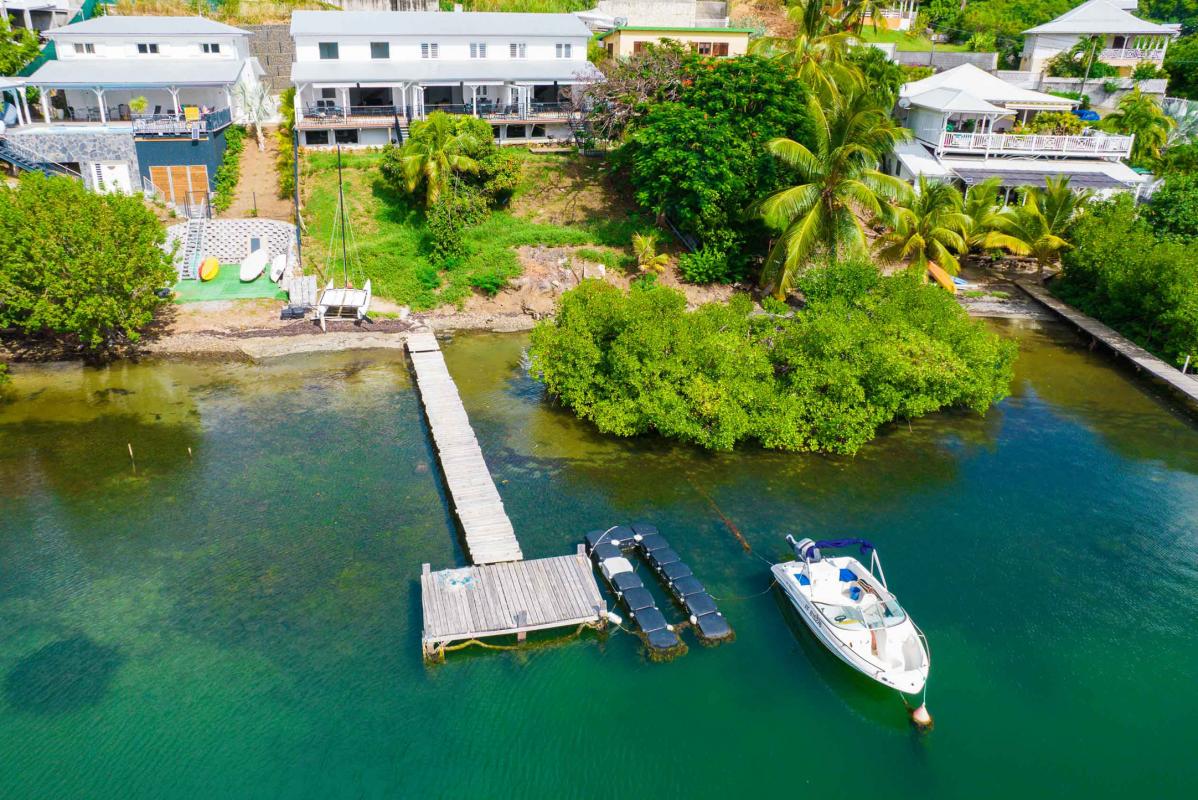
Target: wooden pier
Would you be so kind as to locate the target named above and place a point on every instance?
(489, 534)
(1141, 359)
(503, 594)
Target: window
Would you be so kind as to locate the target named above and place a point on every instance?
(380, 49)
(710, 48)
(346, 137)
(720, 49)
(563, 50)
(478, 49)
(329, 51)
(90, 49)
(316, 137)
(428, 49)
(147, 49)
(210, 47)
(638, 47)
(518, 50)
(328, 99)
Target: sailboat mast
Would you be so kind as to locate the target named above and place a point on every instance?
(341, 210)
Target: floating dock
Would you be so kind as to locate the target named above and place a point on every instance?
(502, 595)
(1140, 358)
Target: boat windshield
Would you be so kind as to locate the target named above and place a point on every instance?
(883, 614)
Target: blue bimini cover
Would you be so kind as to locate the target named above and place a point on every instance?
(637, 599)
(699, 604)
(662, 639)
(650, 619)
(687, 586)
(623, 581)
(643, 528)
(659, 558)
(713, 626)
(676, 571)
(654, 541)
(606, 550)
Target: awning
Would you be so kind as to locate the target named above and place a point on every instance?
(446, 72)
(134, 73)
(1081, 174)
(955, 101)
(918, 160)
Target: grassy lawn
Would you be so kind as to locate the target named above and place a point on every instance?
(906, 42)
(562, 201)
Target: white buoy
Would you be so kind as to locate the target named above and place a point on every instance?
(613, 617)
(921, 717)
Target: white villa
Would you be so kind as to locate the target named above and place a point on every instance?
(361, 77)
(1129, 40)
(963, 121)
(899, 15)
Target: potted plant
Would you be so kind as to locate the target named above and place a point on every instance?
(138, 105)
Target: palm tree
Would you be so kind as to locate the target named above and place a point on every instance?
(1038, 226)
(258, 107)
(840, 185)
(818, 52)
(644, 248)
(981, 204)
(930, 227)
(1141, 116)
(433, 153)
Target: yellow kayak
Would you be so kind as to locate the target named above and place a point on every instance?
(943, 278)
(208, 268)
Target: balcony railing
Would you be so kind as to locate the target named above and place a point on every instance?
(172, 124)
(1037, 144)
(485, 109)
(1133, 54)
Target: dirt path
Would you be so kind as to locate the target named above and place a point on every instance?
(259, 181)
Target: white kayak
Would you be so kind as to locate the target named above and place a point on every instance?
(852, 612)
(277, 265)
(253, 264)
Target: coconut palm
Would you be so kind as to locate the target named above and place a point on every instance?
(818, 52)
(980, 206)
(1037, 227)
(433, 153)
(1140, 115)
(930, 227)
(644, 249)
(841, 185)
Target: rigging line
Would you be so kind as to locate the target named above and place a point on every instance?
(341, 209)
(729, 524)
(734, 599)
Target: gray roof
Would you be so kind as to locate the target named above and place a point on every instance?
(149, 26)
(442, 71)
(434, 23)
(134, 73)
(1100, 16)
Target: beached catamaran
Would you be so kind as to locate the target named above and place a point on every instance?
(849, 608)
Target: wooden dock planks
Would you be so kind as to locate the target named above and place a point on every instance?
(509, 598)
(1138, 356)
(490, 537)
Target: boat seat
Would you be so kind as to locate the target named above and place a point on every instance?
(654, 541)
(699, 604)
(606, 550)
(676, 571)
(713, 626)
(687, 586)
(614, 566)
(660, 558)
(638, 598)
(624, 581)
(649, 619)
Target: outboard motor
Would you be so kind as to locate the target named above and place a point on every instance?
(805, 550)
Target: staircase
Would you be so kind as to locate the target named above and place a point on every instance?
(193, 250)
(25, 159)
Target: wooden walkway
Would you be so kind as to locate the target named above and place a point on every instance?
(1186, 385)
(507, 599)
(489, 534)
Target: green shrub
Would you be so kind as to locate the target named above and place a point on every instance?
(499, 174)
(705, 265)
(285, 160)
(860, 355)
(1058, 123)
(983, 42)
(1121, 272)
(1174, 208)
(489, 281)
(229, 171)
(608, 258)
(772, 305)
(1083, 99)
(448, 219)
(1146, 70)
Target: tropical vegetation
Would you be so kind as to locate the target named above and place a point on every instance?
(929, 228)
(79, 265)
(229, 171)
(1140, 115)
(865, 351)
(1038, 226)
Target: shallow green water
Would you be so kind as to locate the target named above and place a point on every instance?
(243, 620)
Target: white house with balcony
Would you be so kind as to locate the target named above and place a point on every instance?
(133, 103)
(898, 15)
(965, 125)
(362, 77)
(1127, 39)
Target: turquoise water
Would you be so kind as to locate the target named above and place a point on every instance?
(242, 620)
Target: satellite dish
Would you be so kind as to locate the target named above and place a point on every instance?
(621, 22)
(904, 103)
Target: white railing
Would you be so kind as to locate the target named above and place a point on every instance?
(1037, 144)
(1133, 54)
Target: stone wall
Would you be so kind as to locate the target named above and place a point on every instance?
(81, 148)
(664, 13)
(1096, 88)
(944, 60)
(228, 240)
(273, 47)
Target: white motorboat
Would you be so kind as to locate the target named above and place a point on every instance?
(849, 609)
(253, 264)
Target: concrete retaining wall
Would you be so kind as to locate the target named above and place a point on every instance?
(275, 50)
(228, 240)
(82, 148)
(946, 60)
(1096, 88)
